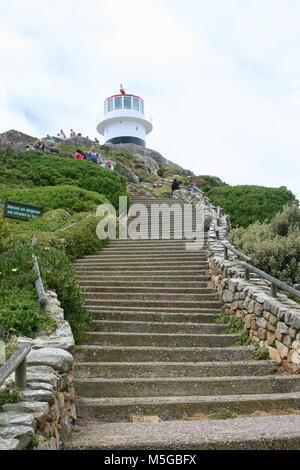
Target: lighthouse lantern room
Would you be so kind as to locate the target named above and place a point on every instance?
(124, 120)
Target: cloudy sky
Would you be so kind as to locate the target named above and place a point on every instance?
(221, 78)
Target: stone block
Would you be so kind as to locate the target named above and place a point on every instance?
(274, 355)
(271, 327)
(282, 328)
(283, 350)
(270, 338)
(262, 333)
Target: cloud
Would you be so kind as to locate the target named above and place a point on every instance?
(217, 76)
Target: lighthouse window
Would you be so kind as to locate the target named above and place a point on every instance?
(136, 104)
(118, 103)
(127, 102)
(142, 106)
(110, 105)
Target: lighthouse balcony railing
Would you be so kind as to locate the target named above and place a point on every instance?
(124, 113)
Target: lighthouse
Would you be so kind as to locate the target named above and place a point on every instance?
(124, 120)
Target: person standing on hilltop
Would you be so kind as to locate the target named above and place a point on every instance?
(72, 133)
(61, 135)
(175, 185)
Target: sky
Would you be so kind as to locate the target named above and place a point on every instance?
(220, 78)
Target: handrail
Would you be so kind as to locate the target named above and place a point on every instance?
(274, 282)
(75, 223)
(241, 255)
(16, 363)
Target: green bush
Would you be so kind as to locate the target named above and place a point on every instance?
(8, 396)
(5, 235)
(38, 169)
(285, 220)
(249, 204)
(69, 198)
(58, 274)
(19, 311)
(269, 249)
(162, 171)
(81, 240)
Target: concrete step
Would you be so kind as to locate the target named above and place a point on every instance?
(98, 287)
(143, 277)
(160, 339)
(157, 304)
(173, 369)
(193, 262)
(154, 317)
(166, 296)
(158, 311)
(251, 433)
(157, 327)
(185, 386)
(86, 353)
(146, 267)
(137, 285)
(144, 257)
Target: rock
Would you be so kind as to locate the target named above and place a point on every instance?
(296, 322)
(287, 341)
(39, 395)
(294, 356)
(12, 418)
(296, 345)
(261, 322)
(262, 333)
(283, 350)
(59, 359)
(48, 378)
(9, 444)
(23, 434)
(282, 328)
(274, 355)
(35, 408)
(61, 338)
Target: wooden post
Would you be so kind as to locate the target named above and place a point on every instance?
(247, 274)
(20, 375)
(225, 252)
(274, 289)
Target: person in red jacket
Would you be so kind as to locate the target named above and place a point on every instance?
(79, 155)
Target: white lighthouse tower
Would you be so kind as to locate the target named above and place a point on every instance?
(124, 120)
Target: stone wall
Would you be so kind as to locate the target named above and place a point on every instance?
(46, 411)
(273, 322)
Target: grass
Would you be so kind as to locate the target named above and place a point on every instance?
(235, 325)
(223, 414)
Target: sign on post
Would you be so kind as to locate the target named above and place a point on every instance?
(21, 210)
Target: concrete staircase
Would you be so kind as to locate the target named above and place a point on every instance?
(155, 352)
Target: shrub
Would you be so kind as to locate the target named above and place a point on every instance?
(162, 171)
(37, 169)
(69, 198)
(283, 221)
(275, 254)
(5, 235)
(81, 240)
(8, 396)
(58, 274)
(19, 311)
(249, 204)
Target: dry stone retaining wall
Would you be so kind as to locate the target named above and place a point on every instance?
(273, 322)
(46, 411)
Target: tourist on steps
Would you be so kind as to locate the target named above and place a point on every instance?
(175, 185)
